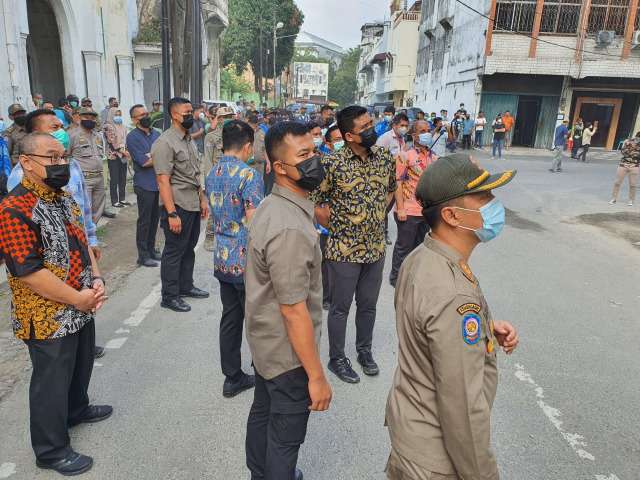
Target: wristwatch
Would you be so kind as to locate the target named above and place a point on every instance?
(172, 214)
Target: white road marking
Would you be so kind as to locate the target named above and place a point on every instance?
(122, 330)
(140, 313)
(116, 342)
(7, 469)
(96, 364)
(553, 414)
(608, 477)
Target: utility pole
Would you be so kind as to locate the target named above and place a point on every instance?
(166, 64)
(261, 61)
(187, 72)
(194, 90)
(275, 40)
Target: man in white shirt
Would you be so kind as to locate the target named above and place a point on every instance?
(393, 140)
(442, 134)
(480, 123)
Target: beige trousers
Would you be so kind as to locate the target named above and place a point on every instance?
(633, 178)
(399, 468)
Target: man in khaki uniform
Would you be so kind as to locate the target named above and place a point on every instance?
(86, 102)
(86, 147)
(258, 146)
(439, 407)
(15, 132)
(212, 154)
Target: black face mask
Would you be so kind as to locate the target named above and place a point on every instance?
(145, 122)
(88, 124)
(57, 175)
(20, 120)
(311, 173)
(330, 120)
(187, 121)
(368, 138)
(272, 121)
(116, 105)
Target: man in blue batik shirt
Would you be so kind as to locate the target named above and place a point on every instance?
(234, 190)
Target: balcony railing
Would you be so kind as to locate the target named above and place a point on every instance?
(408, 16)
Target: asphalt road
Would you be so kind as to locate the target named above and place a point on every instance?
(567, 403)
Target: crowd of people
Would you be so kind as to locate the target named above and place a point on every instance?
(296, 207)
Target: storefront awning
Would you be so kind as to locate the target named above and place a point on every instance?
(378, 58)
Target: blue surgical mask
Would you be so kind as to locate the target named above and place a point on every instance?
(317, 141)
(425, 139)
(117, 119)
(388, 118)
(323, 132)
(3, 126)
(493, 217)
(338, 145)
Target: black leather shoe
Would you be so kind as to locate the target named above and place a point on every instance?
(97, 413)
(109, 214)
(230, 390)
(369, 366)
(195, 293)
(74, 464)
(98, 352)
(146, 262)
(177, 305)
(298, 475)
(156, 255)
(342, 368)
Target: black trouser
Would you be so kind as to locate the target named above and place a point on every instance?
(277, 425)
(386, 216)
(178, 256)
(117, 180)
(326, 297)
(148, 218)
(345, 280)
(232, 297)
(466, 142)
(411, 233)
(583, 154)
(269, 180)
(58, 391)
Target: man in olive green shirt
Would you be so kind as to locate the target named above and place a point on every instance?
(182, 205)
(283, 311)
(439, 407)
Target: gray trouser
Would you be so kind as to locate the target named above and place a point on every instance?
(97, 196)
(345, 280)
(557, 160)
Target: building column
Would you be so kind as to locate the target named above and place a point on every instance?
(125, 79)
(536, 29)
(628, 33)
(492, 15)
(582, 30)
(93, 69)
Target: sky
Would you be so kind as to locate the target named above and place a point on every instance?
(339, 21)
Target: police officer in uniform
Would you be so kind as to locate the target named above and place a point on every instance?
(15, 132)
(86, 147)
(86, 102)
(439, 407)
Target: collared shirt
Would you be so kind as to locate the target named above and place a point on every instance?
(41, 229)
(139, 144)
(87, 149)
(197, 125)
(391, 141)
(382, 127)
(62, 115)
(561, 131)
(439, 406)
(76, 188)
(12, 136)
(213, 147)
(440, 143)
(232, 188)
(630, 153)
(467, 126)
(283, 267)
(175, 153)
(357, 193)
(482, 122)
(409, 167)
(5, 160)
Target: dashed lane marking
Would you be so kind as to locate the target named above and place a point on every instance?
(140, 313)
(608, 477)
(7, 469)
(116, 342)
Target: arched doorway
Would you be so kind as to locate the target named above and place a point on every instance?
(44, 55)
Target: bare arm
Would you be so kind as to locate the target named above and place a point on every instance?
(249, 213)
(390, 198)
(321, 216)
(165, 192)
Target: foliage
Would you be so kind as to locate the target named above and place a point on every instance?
(241, 44)
(234, 83)
(149, 32)
(305, 54)
(343, 83)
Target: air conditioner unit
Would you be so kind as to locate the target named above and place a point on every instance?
(635, 40)
(605, 37)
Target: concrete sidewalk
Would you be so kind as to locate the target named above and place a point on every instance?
(595, 154)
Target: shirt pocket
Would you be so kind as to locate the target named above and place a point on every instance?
(86, 151)
(181, 156)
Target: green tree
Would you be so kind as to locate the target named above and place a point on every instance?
(241, 45)
(344, 82)
(234, 83)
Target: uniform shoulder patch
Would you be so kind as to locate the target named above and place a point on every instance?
(208, 144)
(471, 329)
(469, 307)
(465, 268)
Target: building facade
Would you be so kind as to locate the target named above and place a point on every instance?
(319, 47)
(544, 60)
(388, 57)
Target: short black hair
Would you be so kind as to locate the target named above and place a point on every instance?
(63, 102)
(389, 110)
(211, 109)
(71, 97)
(312, 126)
(347, 117)
(276, 135)
(400, 118)
(433, 214)
(507, 111)
(236, 134)
(31, 118)
(330, 130)
(326, 107)
(253, 119)
(138, 105)
(176, 101)
(29, 142)
(637, 134)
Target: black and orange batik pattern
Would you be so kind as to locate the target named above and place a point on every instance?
(41, 229)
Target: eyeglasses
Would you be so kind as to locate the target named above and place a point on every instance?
(144, 115)
(55, 160)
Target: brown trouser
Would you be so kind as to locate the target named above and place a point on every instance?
(399, 468)
(96, 194)
(633, 177)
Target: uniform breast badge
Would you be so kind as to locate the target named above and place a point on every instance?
(490, 345)
(471, 329)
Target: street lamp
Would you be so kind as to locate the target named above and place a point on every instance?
(276, 27)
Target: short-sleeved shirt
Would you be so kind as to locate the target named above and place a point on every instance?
(232, 188)
(630, 153)
(213, 147)
(12, 136)
(197, 125)
(508, 121)
(87, 149)
(498, 135)
(175, 153)
(41, 229)
(357, 191)
(394, 143)
(139, 143)
(283, 267)
(439, 406)
(561, 131)
(482, 121)
(467, 126)
(409, 167)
